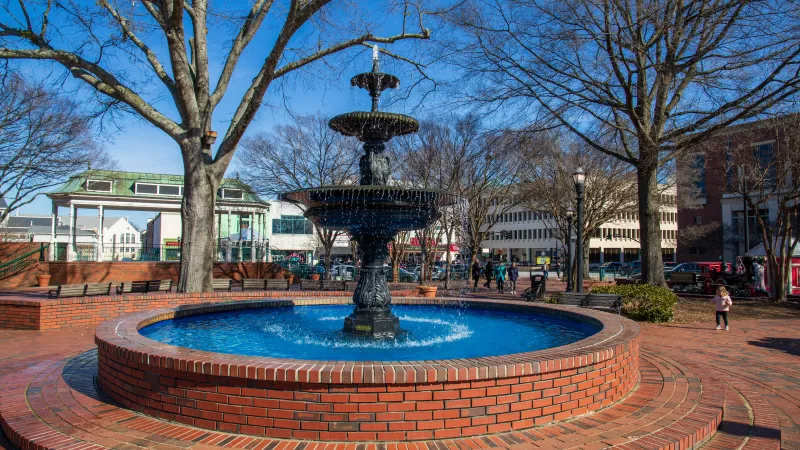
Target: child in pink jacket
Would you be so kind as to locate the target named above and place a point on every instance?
(723, 303)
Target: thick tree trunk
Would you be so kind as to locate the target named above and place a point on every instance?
(197, 214)
(650, 221)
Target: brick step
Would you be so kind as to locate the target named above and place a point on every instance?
(56, 405)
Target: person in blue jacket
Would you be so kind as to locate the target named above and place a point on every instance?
(500, 276)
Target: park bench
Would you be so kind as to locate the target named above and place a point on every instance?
(132, 287)
(159, 286)
(67, 290)
(277, 284)
(572, 298)
(310, 285)
(334, 285)
(98, 289)
(143, 287)
(605, 302)
(222, 284)
(255, 284)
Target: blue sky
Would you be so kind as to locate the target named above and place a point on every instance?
(140, 147)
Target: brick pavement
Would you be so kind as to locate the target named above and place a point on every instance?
(752, 372)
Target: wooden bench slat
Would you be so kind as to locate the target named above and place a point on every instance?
(220, 283)
(254, 283)
(159, 286)
(68, 290)
(572, 298)
(610, 302)
(310, 285)
(277, 285)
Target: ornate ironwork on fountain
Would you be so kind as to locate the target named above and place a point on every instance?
(390, 208)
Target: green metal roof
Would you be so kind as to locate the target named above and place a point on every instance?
(123, 185)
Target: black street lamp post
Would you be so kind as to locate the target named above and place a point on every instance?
(569, 250)
(580, 178)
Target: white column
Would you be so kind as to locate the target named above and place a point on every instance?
(100, 246)
(53, 230)
(228, 248)
(602, 255)
(528, 254)
(252, 237)
(71, 236)
(510, 255)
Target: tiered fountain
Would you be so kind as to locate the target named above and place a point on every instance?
(374, 212)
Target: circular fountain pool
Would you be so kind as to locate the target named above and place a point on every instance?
(315, 332)
(426, 394)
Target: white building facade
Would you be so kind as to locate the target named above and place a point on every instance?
(525, 236)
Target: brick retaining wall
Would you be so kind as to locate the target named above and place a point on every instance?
(44, 314)
(117, 271)
(367, 401)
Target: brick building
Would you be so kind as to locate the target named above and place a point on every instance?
(710, 210)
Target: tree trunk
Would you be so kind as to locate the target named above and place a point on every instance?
(328, 246)
(650, 219)
(197, 215)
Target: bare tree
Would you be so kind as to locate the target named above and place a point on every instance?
(457, 155)
(707, 236)
(548, 186)
(635, 79)
(168, 83)
(303, 154)
(396, 253)
(767, 174)
(44, 139)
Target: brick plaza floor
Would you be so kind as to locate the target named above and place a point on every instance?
(753, 371)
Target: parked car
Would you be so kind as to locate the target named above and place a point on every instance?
(612, 266)
(631, 268)
(344, 272)
(405, 276)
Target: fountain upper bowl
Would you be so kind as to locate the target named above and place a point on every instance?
(373, 125)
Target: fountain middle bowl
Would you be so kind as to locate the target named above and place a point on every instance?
(372, 208)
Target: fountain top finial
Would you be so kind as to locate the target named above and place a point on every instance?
(375, 62)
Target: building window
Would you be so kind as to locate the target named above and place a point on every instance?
(698, 168)
(765, 155)
(99, 185)
(234, 194)
(172, 190)
(292, 225)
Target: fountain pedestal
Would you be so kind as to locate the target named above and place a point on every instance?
(372, 316)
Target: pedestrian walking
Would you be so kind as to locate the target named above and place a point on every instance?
(476, 273)
(488, 272)
(513, 275)
(546, 269)
(500, 276)
(723, 304)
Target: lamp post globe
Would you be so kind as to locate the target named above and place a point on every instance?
(579, 176)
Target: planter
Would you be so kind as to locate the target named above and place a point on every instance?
(427, 291)
(315, 277)
(44, 280)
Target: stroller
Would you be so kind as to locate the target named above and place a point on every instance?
(535, 293)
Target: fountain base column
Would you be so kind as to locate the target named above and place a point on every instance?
(372, 317)
(377, 323)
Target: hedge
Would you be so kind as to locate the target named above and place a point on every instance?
(644, 302)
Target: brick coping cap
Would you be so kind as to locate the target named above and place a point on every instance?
(233, 295)
(120, 338)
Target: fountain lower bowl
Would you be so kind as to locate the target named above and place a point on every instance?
(384, 209)
(361, 400)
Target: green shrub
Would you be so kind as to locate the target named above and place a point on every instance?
(552, 301)
(644, 302)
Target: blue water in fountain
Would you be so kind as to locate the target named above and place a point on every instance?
(314, 332)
